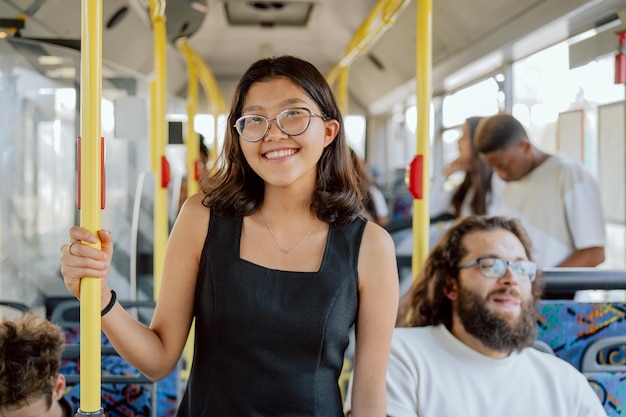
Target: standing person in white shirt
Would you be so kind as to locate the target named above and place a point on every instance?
(467, 352)
(556, 198)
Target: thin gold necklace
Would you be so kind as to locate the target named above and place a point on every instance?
(286, 251)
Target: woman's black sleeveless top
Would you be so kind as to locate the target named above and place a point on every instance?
(268, 342)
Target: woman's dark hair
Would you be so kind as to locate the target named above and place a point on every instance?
(477, 179)
(365, 181)
(234, 189)
(426, 303)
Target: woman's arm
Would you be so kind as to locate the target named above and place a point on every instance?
(155, 350)
(378, 307)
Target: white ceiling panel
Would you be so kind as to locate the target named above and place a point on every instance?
(463, 32)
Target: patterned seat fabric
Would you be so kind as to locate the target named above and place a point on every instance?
(611, 389)
(569, 327)
(123, 399)
(592, 337)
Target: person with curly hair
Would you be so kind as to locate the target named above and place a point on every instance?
(465, 348)
(30, 356)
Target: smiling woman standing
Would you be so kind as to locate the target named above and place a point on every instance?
(272, 260)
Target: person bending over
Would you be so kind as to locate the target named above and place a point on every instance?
(556, 198)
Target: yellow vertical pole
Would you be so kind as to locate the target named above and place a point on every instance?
(218, 106)
(159, 102)
(90, 188)
(342, 90)
(423, 91)
(193, 144)
(193, 140)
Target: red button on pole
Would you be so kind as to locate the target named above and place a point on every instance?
(415, 177)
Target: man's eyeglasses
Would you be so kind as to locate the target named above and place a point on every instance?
(292, 122)
(492, 267)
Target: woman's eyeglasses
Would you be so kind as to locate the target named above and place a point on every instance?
(292, 122)
(492, 267)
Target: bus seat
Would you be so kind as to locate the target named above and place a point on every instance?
(120, 399)
(611, 389)
(604, 365)
(67, 313)
(125, 391)
(569, 327)
(605, 355)
(542, 346)
(10, 309)
(402, 207)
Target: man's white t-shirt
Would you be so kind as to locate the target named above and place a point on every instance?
(433, 374)
(559, 205)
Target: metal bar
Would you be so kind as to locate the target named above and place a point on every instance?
(90, 199)
(423, 93)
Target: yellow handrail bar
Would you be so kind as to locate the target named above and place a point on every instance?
(216, 103)
(423, 92)
(382, 17)
(158, 103)
(192, 142)
(90, 176)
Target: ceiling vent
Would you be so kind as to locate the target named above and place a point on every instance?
(268, 13)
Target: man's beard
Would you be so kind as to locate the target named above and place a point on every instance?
(494, 329)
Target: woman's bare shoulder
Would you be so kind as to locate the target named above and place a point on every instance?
(194, 215)
(376, 238)
(194, 203)
(377, 254)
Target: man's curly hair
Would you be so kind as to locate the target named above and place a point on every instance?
(426, 302)
(30, 356)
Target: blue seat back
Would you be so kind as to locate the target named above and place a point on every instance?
(569, 327)
(125, 392)
(592, 337)
(611, 389)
